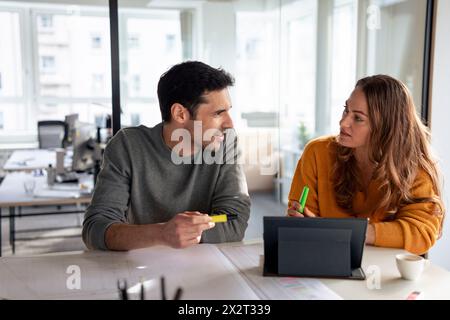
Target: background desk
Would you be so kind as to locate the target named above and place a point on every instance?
(13, 196)
(225, 271)
(28, 160)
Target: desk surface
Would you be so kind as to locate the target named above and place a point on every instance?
(202, 271)
(434, 282)
(12, 191)
(27, 160)
(225, 271)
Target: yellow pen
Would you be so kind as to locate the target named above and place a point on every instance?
(223, 217)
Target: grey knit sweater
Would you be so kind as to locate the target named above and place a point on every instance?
(139, 184)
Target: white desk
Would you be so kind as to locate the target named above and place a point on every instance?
(202, 271)
(13, 196)
(434, 282)
(225, 271)
(28, 160)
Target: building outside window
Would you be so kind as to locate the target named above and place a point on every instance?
(133, 41)
(48, 64)
(46, 21)
(96, 41)
(136, 83)
(97, 82)
(170, 42)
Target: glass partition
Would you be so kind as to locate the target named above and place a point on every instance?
(295, 63)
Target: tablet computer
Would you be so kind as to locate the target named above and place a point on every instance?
(315, 240)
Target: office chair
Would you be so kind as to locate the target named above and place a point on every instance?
(51, 134)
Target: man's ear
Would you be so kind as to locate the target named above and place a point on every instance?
(179, 113)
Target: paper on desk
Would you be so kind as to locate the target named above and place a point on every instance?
(74, 187)
(247, 259)
(296, 289)
(48, 193)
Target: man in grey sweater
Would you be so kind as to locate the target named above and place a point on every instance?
(155, 187)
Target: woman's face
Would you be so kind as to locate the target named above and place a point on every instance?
(355, 125)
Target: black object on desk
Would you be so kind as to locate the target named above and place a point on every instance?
(67, 177)
(123, 290)
(177, 295)
(122, 287)
(314, 247)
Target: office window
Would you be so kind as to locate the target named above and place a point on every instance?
(343, 70)
(97, 82)
(298, 78)
(14, 120)
(45, 21)
(85, 74)
(256, 74)
(151, 43)
(253, 48)
(11, 68)
(136, 82)
(170, 42)
(135, 119)
(47, 64)
(401, 25)
(133, 41)
(13, 115)
(96, 41)
(87, 111)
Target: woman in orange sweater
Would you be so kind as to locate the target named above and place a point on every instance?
(379, 167)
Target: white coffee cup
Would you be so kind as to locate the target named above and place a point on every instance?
(410, 266)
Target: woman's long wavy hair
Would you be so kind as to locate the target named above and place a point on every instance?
(399, 145)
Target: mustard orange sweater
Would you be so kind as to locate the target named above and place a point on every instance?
(414, 227)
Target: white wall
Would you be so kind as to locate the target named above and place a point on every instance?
(440, 117)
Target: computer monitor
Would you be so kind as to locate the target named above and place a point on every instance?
(71, 120)
(356, 226)
(83, 141)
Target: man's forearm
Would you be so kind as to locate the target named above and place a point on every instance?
(121, 236)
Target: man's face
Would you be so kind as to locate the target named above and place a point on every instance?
(214, 115)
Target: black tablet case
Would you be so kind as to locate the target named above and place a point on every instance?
(320, 248)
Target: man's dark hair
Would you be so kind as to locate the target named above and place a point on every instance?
(186, 83)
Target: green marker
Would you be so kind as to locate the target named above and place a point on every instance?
(303, 198)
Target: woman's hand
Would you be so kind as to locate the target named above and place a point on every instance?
(293, 211)
(370, 234)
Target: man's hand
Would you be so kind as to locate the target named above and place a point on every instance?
(185, 229)
(293, 211)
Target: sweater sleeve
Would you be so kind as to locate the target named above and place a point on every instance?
(416, 226)
(230, 197)
(306, 175)
(111, 196)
